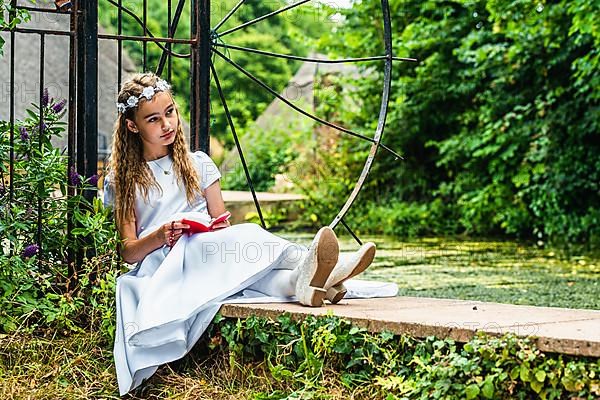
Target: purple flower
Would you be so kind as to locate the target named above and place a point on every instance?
(24, 133)
(74, 177)
(58, 107)
(94, 180)
(45, 97)
(30, 250)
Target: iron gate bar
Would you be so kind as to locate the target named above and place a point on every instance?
(40, 138)
(172, 28)
(44, 10)
(157, 40)
(87, 101)
(200, 77)
(170, 35)
(387, 79)
(144, 26)
(46, 31)
(11, 167)
(310, 59)
(350, 231)
(238, 145)
(229, 14)
(259, 82)
(252, 22)
(119, 44)
(71, 256)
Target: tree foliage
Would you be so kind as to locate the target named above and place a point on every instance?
(289, 33)
(498, 122)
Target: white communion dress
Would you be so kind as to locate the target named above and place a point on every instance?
(168, 299)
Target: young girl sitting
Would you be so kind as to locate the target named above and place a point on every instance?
(180, 279)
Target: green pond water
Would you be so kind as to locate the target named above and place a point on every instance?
(486, 270)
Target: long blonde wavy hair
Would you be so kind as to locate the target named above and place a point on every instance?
(128, 168)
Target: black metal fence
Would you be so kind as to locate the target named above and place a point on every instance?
(202, 43)
(83, 87)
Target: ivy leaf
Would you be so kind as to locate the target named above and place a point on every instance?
(472, 391)
(514, 373)
(488, 388)
(524, 373)
(536, 386)
(540, 376)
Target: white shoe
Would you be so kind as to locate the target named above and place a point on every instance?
(316, 267)
(348, 265)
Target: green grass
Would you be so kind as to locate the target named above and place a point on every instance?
(80, 366)
(485, 270)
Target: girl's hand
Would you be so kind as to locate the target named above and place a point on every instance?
(221, 225)
(171, 232)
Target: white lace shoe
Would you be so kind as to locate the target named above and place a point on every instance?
(348, 265)
(316, 267)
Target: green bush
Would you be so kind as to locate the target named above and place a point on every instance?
(36, 289)
(265, 159)
(300, 355)
(497, 119)
(402, 219)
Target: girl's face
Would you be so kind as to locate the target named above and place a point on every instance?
(156, 121)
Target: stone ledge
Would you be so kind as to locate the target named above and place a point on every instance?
(559, 330)
(238, 196)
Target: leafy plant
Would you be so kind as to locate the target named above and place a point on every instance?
(302, 356)
(496, 121)
(35, 209)
(10, 18)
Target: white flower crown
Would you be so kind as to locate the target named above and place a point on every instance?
(148, 93)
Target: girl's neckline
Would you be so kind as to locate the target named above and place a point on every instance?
(158, 159)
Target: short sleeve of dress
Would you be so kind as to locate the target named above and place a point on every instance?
(209, 172)
(109, 191)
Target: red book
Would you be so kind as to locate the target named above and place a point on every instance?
(197, 226)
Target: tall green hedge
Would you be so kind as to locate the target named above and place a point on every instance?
(498, 122)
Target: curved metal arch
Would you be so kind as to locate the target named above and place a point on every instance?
(376, 140)
(387, 81)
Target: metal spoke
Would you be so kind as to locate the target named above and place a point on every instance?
(252, 22)
(310, 59)
(144, 23)
(259, 82)
(146, 31)
(229, 14)
(351, 232)
(237, 144)
(171, 34)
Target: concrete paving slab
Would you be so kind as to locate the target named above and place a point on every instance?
(561, 330)
(240, 196)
